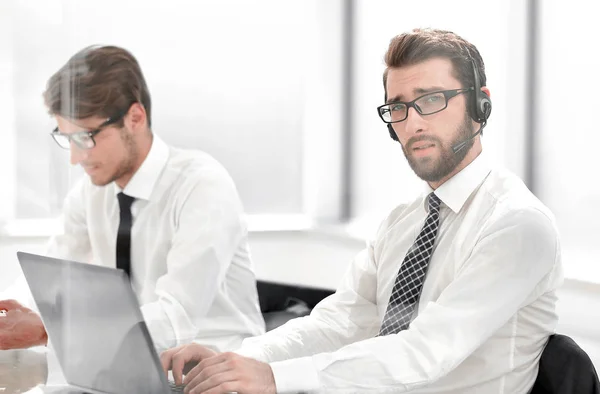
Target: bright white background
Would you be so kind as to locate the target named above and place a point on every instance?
(229, 77)
(281, 64)
(569, 136)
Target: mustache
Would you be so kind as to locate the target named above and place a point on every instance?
(420, 138)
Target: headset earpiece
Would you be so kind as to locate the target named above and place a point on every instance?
(481, 104)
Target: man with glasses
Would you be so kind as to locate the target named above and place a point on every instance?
(456, 294)
(170, 218)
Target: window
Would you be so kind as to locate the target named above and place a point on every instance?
(566, 136)
(272, 58)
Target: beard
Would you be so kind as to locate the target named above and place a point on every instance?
(434, 169)
(126, 166)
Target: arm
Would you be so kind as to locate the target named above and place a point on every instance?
(209, 228)
(348, 315)
(509, 268)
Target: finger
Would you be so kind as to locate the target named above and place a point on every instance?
(9, 304)
(5, 321)
(192, 374)
(214, 382)
(165, 359)
(217, 359)
(177, 362)
(8, 321)
(205, 373)
(188, 353)
(228, 387)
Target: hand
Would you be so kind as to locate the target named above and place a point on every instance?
(175, 359)
(230, 372)
(20, 327)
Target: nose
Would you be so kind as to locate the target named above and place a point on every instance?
(414, 122)
(77, 154)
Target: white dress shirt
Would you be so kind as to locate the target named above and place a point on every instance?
(484, 316)
(190, 260)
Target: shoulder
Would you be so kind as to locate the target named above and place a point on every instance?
(192, 168)
(510, 199)
(515, 212)
(195, 177)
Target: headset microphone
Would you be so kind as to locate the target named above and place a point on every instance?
(456, 148)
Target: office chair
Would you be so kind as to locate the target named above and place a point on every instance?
(282, 302)
(565, 369)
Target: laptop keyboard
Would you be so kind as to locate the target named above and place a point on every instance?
(174, 388)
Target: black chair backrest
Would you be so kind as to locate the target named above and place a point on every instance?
(282, 302)
(565, 369)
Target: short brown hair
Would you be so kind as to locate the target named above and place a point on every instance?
(97, 81)
(419, 45)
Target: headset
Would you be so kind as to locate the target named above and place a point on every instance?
(479, 107)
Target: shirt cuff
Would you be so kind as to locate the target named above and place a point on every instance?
(295, 375)
(161, 330)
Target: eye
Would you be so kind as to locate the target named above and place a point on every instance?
(84, 136)
(433, 98)
(397, 107)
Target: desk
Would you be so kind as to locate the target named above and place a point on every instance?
(21, 371)
(29, 371)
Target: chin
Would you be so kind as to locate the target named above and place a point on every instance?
(424, 166)
(429, 171)
(97, 181)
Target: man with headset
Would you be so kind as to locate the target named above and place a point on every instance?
(456, 294)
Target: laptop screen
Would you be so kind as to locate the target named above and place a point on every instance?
(95, 325)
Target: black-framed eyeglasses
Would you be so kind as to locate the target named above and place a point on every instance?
(85, 139)
(427, 104)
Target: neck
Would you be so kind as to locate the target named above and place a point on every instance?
(142, 149)
(472, 155)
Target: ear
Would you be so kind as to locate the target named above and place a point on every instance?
(485, 90)
(136, 117)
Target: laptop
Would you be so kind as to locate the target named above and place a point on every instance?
(96, 327)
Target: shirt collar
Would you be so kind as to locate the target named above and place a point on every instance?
(142, 183)
(456, 190)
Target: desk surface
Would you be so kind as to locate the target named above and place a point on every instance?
(22, 371)
(29, 371)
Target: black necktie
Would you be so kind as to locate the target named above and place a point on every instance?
(410, 278)
(124, 233)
